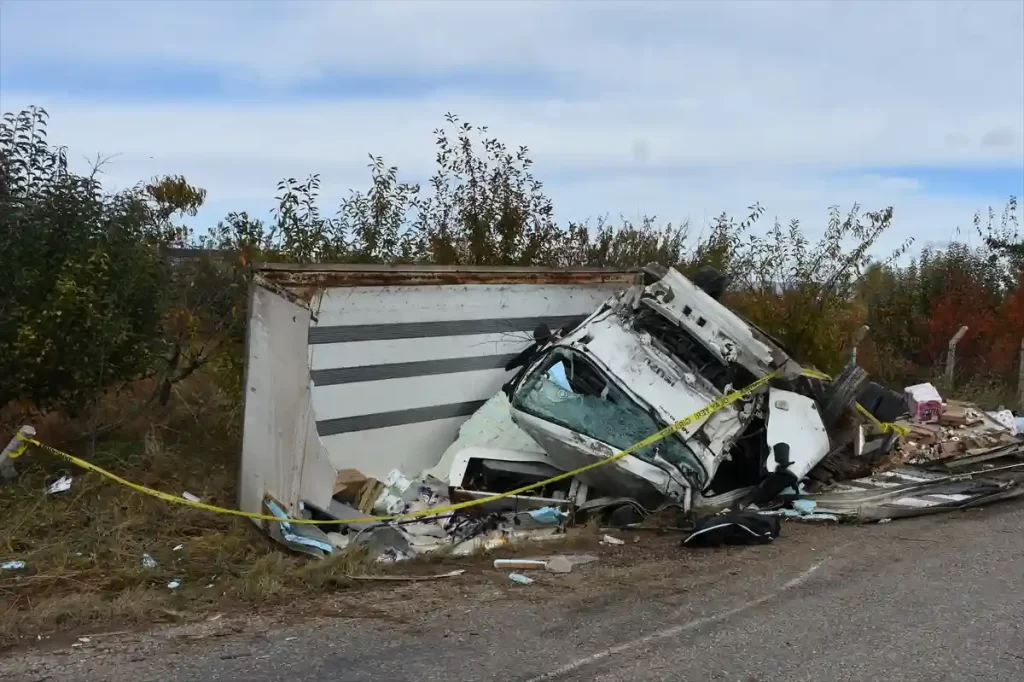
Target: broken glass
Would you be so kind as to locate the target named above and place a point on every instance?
(571, 392)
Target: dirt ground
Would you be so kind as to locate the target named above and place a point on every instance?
(649, 561)
(647, 609)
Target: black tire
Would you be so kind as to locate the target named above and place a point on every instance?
(842, 394)
(886, 405)
(653, 272)
(624, 516)
(712, 281)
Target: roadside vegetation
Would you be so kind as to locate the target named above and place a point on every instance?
(117, 344)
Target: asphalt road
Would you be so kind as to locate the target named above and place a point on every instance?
(937, 598)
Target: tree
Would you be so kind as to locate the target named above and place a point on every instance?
(82, 301)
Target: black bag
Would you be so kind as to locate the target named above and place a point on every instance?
(734, 529)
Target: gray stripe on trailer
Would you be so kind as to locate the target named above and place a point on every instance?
(403, 370)
(423, 330)
(381, 420)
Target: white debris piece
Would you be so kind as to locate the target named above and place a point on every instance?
(609, 540)
(520, 563)
(190, 497)
(148, 561)
(924, 402)
(565, 563)
(12, 566)
(1005, 418)
(339, 540)
(61, 485)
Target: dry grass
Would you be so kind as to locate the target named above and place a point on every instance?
(84, 547)
(987, 394)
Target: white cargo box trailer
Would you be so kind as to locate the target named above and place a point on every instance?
(375, 368)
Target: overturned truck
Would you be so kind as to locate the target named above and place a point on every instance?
(654, 354)
(488, 379)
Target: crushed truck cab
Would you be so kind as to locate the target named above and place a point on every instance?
(650, 356)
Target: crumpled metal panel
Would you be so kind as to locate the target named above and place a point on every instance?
(913, 491)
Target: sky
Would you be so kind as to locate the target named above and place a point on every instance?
(679, 109)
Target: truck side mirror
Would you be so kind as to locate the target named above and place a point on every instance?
(781, 453)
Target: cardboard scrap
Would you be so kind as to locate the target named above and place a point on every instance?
(352, 487)
(955, 413)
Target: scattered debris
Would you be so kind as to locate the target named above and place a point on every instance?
(495, 542)
(353, 487)
(561, 563)
(174, 584)
(548, 516)
(804, 506)
(148, 561)
(190, 497)
(924, 402)
(178, 548)
(813, 517)
(84, 640)
(520, 578)
(339, 540)
(520, 563)
(609, 540)
(13, 566)
(407, 578)
(305, 538)
(564, 563)
(1006, 419)
(62, 484)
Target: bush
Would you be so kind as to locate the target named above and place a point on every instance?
(92, 300)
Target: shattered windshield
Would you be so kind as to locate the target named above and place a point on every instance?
(570, 391)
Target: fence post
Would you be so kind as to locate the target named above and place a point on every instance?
(856, 340)
(1020, 379)
(13, 449)
(951, 355)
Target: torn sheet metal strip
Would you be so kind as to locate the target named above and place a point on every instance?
(302, 539)
(880, 497)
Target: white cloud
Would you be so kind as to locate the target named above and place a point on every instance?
(674, 108)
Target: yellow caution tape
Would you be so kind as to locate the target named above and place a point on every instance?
(706, 411)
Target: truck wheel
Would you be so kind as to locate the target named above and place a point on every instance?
(653, 272)
(842, 394)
